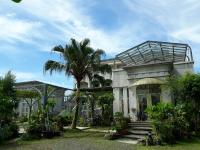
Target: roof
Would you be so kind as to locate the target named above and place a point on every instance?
(146, 81)
(154, 52)
(39, 83)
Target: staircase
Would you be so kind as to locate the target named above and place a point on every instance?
(139, 130)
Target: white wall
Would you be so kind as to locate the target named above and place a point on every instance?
(182, 68)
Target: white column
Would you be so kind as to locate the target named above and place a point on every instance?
(125, 102)
(133, 103)
(116, 102)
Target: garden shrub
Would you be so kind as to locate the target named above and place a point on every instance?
(8, 131)
(120, 122)
(82, 121)
(35, 129)
(112, 136)
(169, 121)
(23, 119)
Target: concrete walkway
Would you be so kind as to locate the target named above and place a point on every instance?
(127, 141)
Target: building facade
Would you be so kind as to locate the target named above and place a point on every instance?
(46, 92)
(139, 75)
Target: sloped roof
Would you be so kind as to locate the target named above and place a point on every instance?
(35, 82)
(154, 52)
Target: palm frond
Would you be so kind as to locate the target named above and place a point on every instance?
(52, 65)
(85, 42)
(59, 49)
(105, 68)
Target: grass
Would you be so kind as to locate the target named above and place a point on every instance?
(190, 144)
(84, 140)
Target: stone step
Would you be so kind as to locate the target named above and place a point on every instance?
(140, 125)
(138, 132)
(135, 137)
(142, 128)
(140, 122)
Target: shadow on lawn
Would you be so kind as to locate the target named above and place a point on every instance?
(76, 133)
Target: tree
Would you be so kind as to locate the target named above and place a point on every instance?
(8, 101)
(17, 1)
(78, 60)
(30, 97)
(106, 101)
(185, 89)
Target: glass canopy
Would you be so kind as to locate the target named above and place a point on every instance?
(156, 52)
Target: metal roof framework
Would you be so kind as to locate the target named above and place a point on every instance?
(155, 52)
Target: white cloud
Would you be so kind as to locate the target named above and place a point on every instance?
(69, 18)
(13, 29)
(179, 19)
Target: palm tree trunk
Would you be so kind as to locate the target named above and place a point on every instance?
(73, 126)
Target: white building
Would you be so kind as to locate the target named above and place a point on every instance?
(46, 91)
(139, 73)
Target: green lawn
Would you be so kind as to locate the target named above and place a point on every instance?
(82, 140)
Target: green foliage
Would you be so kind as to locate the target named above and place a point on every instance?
(186, 89)
(30, 97)
(27, 94)
(8, 103)
(169, 121)
(82, 122)
(106, 103)
(22, 119)
(17, 1)
(64, 120)
(78, 60)
(120, 122)
(8, 131)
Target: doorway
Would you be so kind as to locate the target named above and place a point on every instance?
(142, 99)
(147, 95)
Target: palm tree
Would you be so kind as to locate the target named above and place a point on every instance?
(17, 1)
(78, 60)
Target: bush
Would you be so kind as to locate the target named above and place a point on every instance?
(169, 121)
(120, 122)
(82, 122)
(14, 129)
(112, 136)
(8, 131)
(23, 119)
(35, 129)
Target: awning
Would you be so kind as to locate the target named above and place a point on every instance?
(147, 81)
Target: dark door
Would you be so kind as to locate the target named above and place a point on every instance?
(142, 107)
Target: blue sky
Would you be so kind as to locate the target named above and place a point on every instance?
(30, 29)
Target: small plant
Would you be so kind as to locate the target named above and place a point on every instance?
(120, 122)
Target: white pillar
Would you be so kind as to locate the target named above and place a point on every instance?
(125, 102)
(133, 103)
(116, 102)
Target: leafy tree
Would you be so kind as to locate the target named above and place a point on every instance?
(78, 60)
(17, 1)
(8, 101)
(106, 101)
(190, 93)
(185, 89)
(30, 97)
